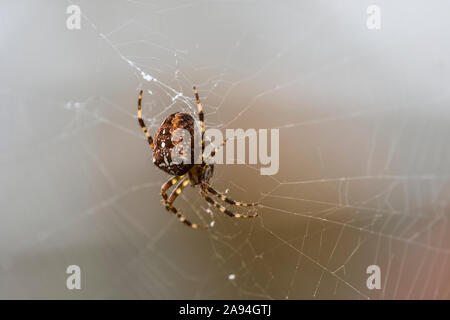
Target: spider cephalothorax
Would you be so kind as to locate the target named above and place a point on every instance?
(201, 173)
(169, 137)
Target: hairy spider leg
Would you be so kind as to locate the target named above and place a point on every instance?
(226, 199)
(166, 186)
(222, 208)
(142, 124)
(168, 204)
(213, 153)
(201, 117)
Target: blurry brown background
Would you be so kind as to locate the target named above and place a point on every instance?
(364, 152)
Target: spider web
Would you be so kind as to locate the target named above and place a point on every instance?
(363, 179)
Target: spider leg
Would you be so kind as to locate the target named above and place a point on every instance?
(226, 199)
(222, 208)
(213, 153)
(202, 120)
(168, 204)
(166, 186)
(175, 193)
(142, 124)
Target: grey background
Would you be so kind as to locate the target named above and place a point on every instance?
(364, 153)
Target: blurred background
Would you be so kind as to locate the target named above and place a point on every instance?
(364, 170)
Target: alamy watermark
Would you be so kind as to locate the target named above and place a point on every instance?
(374, 280)
(73, 22)
(259, 143)
(374, 19)
(74, 279)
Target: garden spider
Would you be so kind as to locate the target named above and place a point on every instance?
(196, 174)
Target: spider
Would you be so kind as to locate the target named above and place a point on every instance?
(183, 174)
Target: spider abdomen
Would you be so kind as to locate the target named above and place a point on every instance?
(170, 153)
